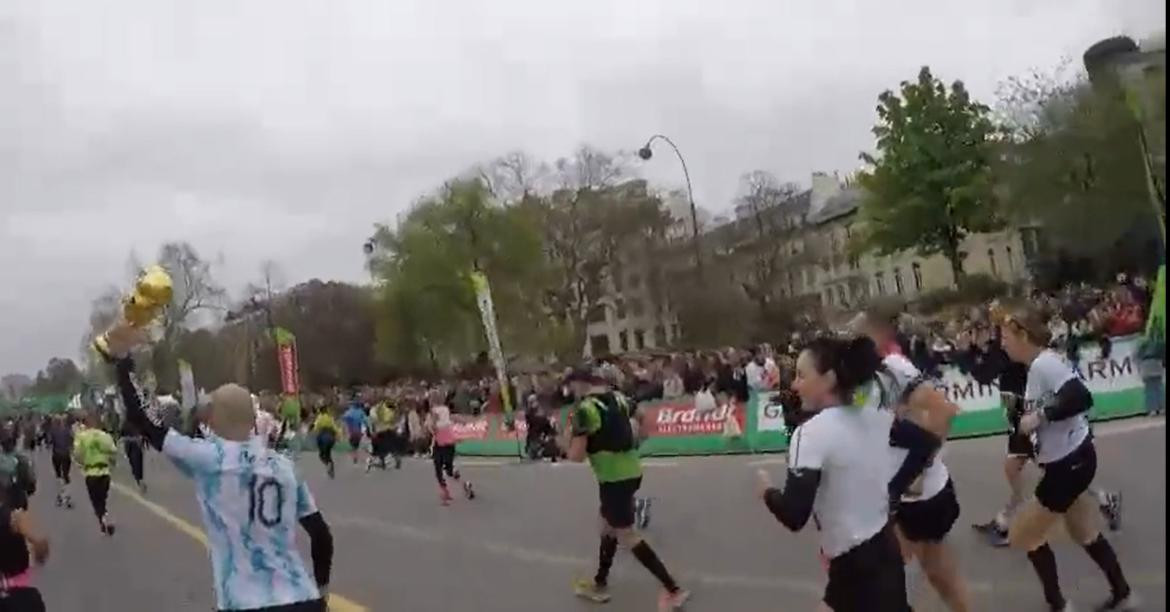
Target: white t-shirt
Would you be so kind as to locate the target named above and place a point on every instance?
(936, 475)
(266, 426)
(849, 445)
(755, 375)
(251, 500)
(1052, 440)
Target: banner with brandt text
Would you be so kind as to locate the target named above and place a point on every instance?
(677, 428)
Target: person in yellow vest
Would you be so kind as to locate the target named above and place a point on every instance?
(384, 421)
(96, 452)
(327, 431)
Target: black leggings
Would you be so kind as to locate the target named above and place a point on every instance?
(444, 460)
(133, 448)
(98, 488)
(22, 599)
(61, 465)
(325, 444)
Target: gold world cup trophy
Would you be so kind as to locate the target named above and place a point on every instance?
(152, 293)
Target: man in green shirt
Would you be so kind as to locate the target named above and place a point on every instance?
(603, 430)
(95, 451)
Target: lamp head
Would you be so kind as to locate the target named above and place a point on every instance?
(645, 152)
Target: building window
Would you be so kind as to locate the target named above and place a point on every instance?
(898, 281)
(791, 283)
(599, 345)
(917, 270)
(639, 339)
(1011, 260)
(828, 297)
(636, 308)
(624, 340)
(991, 262)
(620, 309)
(841, 297)
(881, 283)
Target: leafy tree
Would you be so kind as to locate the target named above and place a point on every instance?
(428, 315)
(930, 183)
(61, 376)
(1074, 166)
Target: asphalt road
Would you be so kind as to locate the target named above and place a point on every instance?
(532, 530)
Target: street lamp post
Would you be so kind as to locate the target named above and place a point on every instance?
(646, 153)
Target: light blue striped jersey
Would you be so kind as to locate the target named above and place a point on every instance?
(251, 499)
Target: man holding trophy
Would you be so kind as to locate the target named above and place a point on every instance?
(248, 494)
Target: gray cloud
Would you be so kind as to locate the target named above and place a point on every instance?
(283, 129)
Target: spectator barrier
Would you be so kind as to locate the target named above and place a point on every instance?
(676, 428)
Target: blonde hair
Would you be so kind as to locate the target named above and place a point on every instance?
(1025, 318)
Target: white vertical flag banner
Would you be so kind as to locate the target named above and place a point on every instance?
(483, 298)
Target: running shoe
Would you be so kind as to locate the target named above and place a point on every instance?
(1111, 510)
(468, 490)
(996, 535)
(142, 486)
(107, 525)
(586, 588)
(329, 470)
(1129, 602)
(668, 601)
(645, 520)
(369, 464)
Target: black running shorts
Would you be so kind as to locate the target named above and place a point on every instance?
(870, 577)
(929, 520)
(1066, 479)
(617, 502)
(1020, 445)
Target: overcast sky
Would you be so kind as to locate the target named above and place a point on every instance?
(284, 129)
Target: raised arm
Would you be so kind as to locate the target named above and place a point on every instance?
(132, 400)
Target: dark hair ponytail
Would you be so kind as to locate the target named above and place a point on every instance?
(854, 361)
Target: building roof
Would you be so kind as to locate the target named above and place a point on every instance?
(844, 203)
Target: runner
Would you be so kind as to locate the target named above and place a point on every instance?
(132, 446)
(19, 540)
(326, 432)
(249, 496)
(838, 469)
(990, 365)
(356, 422)
(266, 428)
(384, 440)
(17, 475)
(928, 510)
(61, 448)
(602, 431)
(1056, 407)
(96, 453)
(442, 427)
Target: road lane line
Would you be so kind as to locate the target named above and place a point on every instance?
(337, 603)
(660, 464)
(1128, 428)
(771, 461)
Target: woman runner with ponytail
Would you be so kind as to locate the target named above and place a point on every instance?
(839, 475)
(1056, 407)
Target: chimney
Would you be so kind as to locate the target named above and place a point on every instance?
(824, 187)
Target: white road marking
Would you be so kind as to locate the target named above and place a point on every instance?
(769, 461)
(1129, 427)
(659, 464)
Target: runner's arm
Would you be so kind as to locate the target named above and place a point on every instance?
(22, 523)
(1072, 399)
(793, 505)
(320, 538)
(132, 400)
(920, 445)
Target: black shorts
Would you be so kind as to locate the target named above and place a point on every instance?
(61, 464)
(317, 605)
(617, 502)
(355, 441)
(1067, 478)
(22, 599)
(1020, 445)
(868, 578)
(929, 520)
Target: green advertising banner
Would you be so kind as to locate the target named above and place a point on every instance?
(676, 427)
